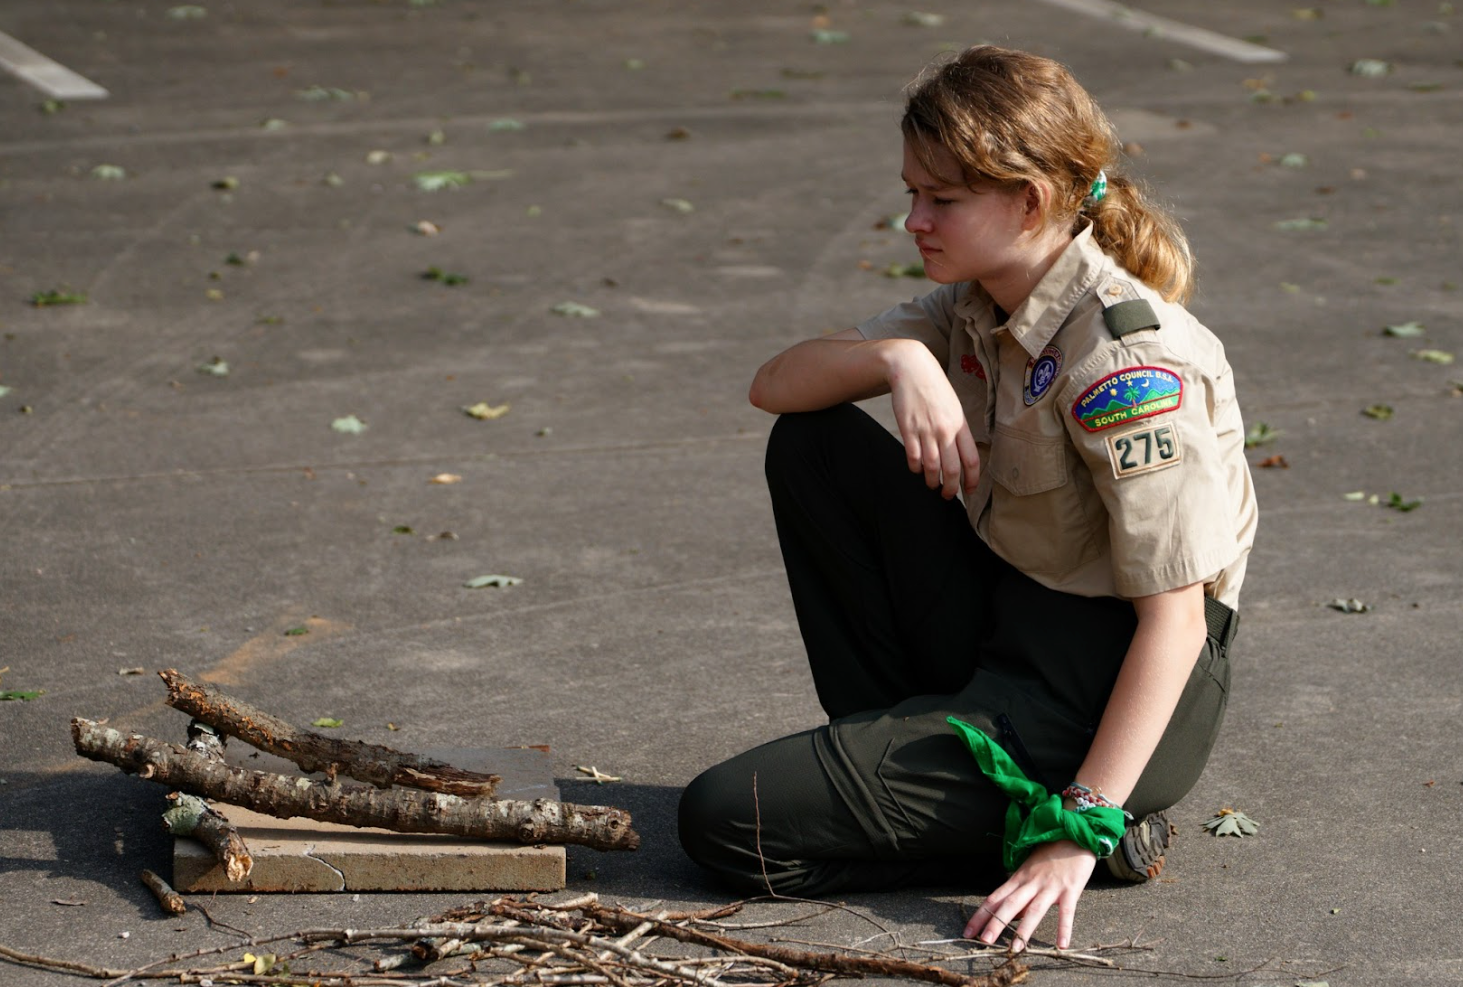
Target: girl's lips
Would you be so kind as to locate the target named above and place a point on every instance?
(925, 249)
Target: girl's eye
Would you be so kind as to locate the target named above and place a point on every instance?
(934, 199)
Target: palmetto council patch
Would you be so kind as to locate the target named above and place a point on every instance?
(1126, 396)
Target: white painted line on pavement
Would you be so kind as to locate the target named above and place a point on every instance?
(51, 78)
(1196, 37)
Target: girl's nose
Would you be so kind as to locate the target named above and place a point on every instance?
(917, 221)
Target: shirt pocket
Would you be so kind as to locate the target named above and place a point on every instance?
(1038, 519)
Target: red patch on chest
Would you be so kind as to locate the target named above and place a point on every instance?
(972, 366)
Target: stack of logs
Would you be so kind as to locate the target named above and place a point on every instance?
(408, 794)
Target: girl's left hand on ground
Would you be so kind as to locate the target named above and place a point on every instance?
(1054, 874)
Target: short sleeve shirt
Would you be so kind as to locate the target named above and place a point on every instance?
(1111, 465)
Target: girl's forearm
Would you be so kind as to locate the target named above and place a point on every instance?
(820, 373)
(1165, 646)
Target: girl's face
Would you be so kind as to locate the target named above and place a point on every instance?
(965, 233)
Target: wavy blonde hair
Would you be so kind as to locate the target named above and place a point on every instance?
(1014, 118)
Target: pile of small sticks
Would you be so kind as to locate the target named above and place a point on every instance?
(514, 941)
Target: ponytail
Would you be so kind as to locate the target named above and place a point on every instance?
(1143, 238)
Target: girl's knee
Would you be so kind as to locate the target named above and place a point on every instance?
(796, 435)
(710, 819)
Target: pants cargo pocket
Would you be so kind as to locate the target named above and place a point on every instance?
(1184, 748)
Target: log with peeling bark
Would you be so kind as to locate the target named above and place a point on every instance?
(372, 763)
(191, 816)
(401, 810)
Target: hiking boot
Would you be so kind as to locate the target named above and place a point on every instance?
(1139, 855)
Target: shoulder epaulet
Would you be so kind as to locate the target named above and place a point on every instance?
(1124, 309)
(1129, 316)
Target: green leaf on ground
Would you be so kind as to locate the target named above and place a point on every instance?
(1399, 503)
(273, 123)
(329, 722)
(1355, 496)
(1232, 822)
(4, 390)
(915, 270)
(505, 123)
(1381, 412)
(915, 18)
(1433, 356)
(300, 631)
(1260, 434)
(483, 411)
(1404, 330)
(218, 367)
(187, 12)
(403, 529)
(1294, 160)
(58, 296)
(23, 695)
(480, 582)
(1306, 224)
(575, 310)
(1349, 606)
(824, 36)
(678, 205)
(109, 173)
(350, 425)
(226, 184)
(445, 277)
(436, 181)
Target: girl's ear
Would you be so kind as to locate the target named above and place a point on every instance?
(1036, 197)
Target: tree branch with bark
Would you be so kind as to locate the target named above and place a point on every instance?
(374, 764)
(400, 810)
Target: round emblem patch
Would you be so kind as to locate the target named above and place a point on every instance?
(1040, 372)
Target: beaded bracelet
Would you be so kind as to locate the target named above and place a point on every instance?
(1087, 798)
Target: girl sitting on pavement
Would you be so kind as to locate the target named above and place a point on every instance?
(1032, 676)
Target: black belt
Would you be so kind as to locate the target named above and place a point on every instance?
(1221, 621)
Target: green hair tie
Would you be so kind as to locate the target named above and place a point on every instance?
(1036, 816)
(1098, 191)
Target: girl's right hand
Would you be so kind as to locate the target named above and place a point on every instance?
(937, 439)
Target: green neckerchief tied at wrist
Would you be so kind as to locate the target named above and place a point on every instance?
(1035, 815)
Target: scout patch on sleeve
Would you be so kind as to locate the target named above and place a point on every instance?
(1127, 395)
(1144, 450)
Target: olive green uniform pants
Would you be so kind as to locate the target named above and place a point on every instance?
(909, 618)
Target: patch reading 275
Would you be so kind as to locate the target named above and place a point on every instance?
(1137, 392)
(1144, 450)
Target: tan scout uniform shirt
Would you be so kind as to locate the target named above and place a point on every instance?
(1109, 466)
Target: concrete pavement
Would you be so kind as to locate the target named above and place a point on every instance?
(155, 515)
